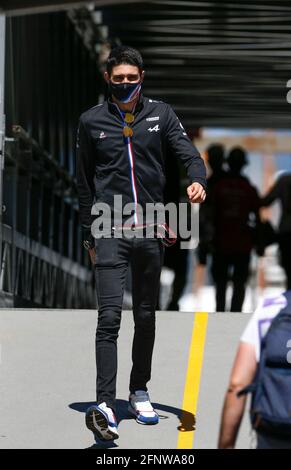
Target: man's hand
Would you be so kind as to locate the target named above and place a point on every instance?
(196, 192)
(92, 253)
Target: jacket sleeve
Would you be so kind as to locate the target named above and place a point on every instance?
(85, 170)
(272, 195)
(255, 207)
(180, 144)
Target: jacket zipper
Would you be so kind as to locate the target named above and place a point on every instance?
(131, 164)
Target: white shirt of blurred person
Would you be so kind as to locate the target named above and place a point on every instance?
(243, 373)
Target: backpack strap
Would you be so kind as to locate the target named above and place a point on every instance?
(284, 311)
(248, 389)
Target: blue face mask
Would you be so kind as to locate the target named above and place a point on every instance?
(124, 92)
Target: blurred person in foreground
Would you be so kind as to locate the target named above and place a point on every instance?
(234, 202)
(262, 366)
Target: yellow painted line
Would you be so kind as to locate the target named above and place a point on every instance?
(191, 391)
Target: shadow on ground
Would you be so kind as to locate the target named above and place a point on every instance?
(186, 419)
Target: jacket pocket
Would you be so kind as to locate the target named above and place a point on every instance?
(99, 184)
(162, 177)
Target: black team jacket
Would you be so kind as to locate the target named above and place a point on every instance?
(107, 164)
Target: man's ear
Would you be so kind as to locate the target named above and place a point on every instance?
(142, 76)
(106, 76)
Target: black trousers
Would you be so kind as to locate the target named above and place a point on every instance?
(221, 266)
(113, 256)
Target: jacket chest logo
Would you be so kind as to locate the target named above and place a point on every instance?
(156, 128)
(153, 118)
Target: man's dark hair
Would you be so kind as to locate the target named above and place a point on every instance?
(124, 55)
(215, 156)
(237, 159)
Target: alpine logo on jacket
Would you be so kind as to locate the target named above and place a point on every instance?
(156, 128)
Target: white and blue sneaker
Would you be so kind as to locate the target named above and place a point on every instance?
(141, 407)
(102, 422)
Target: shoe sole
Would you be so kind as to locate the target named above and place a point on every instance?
(98, 424)
(131, 410)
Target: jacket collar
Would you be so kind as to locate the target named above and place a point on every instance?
(139, 105)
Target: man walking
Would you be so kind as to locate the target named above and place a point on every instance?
(281, 191)
(120, 152)
(233, 200)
